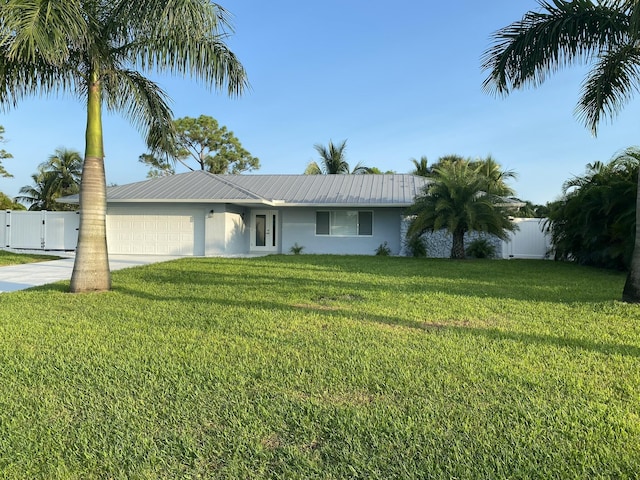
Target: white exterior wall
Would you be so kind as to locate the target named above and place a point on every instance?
(298, 225)
(225, 231)
(236, 233)
(214, 243)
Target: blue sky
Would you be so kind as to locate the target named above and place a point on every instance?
(397, 80)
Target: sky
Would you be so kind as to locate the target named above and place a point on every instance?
(397, 80)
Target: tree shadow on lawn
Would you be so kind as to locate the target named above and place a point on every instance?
(337, 312)
(466, 278)
(492, 334)
(550, 340)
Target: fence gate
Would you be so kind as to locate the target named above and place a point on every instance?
(40, 230)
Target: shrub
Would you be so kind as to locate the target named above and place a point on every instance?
(594, 223)
(416, 246)
(383, 250)
(296, 249)
(481, 248)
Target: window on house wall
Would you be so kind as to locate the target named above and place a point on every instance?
(344, 223)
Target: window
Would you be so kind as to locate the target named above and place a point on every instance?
(344, 223)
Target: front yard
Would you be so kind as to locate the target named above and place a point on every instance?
(324, 367)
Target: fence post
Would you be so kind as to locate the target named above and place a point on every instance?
(43, 230)
(7, 233)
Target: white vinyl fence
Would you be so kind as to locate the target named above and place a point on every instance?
(529, 241)
(39, 230)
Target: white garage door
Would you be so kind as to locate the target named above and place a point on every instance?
(150, 234)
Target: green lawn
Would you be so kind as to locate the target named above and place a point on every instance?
(324, 367)
(11, 258)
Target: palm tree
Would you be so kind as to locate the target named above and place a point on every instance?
(421, 167)
(593, 223)
(66, 164)
(57, 177)
(496, 177)
(41, 194)
(98, 50)
(457, 200)
(565, 32)
(333, 162)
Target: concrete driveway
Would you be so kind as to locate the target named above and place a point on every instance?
(19, 277)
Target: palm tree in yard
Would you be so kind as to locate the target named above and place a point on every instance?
(333, 161)
(458, 199)
(98, 50)
(604, 33)
(59, 176)
(421, 167)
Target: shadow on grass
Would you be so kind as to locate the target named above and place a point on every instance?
(494, 334)
(319, 290)
(550, 340)
(337, 312)
(515, 280)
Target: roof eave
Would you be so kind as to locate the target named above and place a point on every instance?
(244, 201)
(348, 205)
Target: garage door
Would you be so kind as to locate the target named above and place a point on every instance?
(150, 234)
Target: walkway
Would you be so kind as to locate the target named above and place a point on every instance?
(19, 277)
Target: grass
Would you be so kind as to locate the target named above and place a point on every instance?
(324, 367)
(11, 258)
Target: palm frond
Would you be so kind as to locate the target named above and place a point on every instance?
(562, 33)
(609, 85)
(361, 169)
(20, 79)
(178, 37)
(41, 30)
(332, 158)
(421, 166)
(144, 103)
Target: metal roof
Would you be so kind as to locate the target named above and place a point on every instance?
(285, 190)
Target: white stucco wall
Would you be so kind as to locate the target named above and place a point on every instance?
(236, 231)
(299, 226)
(225, 231)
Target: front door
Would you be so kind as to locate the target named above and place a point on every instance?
(264, 231)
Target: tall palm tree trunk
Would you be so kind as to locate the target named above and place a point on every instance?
(457, 249)
(91, 267)
(631, 291)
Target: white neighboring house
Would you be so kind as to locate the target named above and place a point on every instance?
(202, 214)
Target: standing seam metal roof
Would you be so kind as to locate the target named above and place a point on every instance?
(308, 190)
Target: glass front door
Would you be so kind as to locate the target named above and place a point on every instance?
(264, 231)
